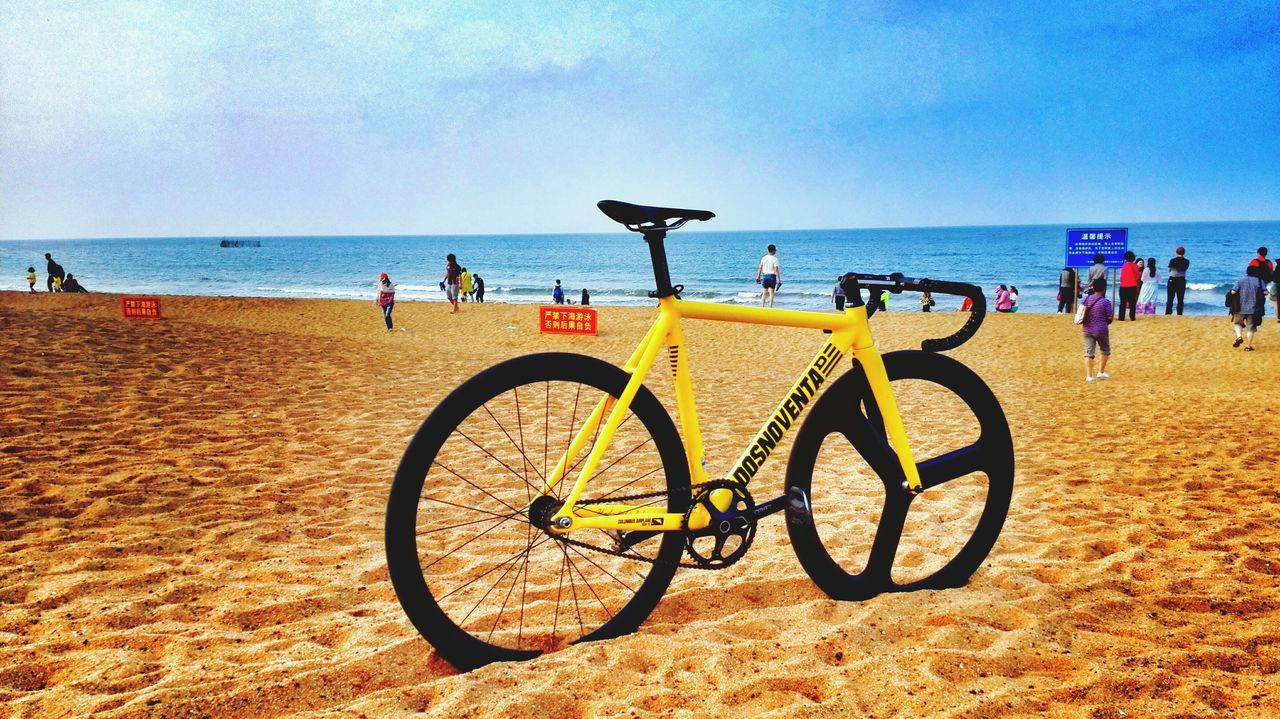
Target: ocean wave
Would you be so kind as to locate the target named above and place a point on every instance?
(1206, 286)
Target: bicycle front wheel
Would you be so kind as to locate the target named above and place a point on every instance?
(472, 567)
(952, 419)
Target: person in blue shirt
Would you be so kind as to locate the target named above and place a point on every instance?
(557, 294)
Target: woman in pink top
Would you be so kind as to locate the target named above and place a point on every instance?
(1004, 301)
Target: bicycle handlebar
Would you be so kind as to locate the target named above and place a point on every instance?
(853, 282)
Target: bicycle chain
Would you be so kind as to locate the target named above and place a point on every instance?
(622, 500)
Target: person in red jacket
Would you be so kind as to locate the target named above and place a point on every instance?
(1267, 273)
(1130, 278)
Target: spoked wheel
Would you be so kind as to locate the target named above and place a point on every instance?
(842, 460)
(470, 561)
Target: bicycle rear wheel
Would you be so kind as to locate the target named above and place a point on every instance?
(478, 578)
(845, 442)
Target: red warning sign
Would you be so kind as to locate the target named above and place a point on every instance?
(140, 308)
(568, 320)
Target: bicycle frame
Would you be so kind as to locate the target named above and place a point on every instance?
(850, 333)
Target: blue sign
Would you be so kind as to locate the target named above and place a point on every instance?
(1111, 243)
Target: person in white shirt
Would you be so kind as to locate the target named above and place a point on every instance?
(769, 276)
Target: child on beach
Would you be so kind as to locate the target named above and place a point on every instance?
(452, 280)
(1096, 330)
(386, 298)
(467, 287)
(31, 278)
(55, 283)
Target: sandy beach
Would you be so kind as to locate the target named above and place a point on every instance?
(191, 522)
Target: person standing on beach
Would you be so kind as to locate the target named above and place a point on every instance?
(467, 288)
(1267, 274)
(452, 280)
(31, 279)
(55, 270)
(926, 301)
(1176, 285)
(557, 294)
(1097, 271)
(385, 298)
(769, 275)
(837, 296)
(1096, 330)
(1066, 289)
(1147, 295)
(586, 297)
(479, 282)
(1130, 277)
(1249, 307)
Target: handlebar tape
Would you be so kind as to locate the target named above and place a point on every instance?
(896, 283)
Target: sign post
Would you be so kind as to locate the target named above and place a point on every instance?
(1110, 242)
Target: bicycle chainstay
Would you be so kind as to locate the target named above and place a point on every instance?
(693, 489)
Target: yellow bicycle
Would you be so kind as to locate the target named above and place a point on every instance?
(550, 499)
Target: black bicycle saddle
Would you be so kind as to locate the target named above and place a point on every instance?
(637, 216)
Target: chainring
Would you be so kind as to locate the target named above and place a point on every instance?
(733, 528)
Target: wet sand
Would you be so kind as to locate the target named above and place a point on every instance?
(191, 525)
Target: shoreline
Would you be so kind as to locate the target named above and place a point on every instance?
(191, 519)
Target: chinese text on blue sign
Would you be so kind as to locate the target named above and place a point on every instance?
(1111, 243)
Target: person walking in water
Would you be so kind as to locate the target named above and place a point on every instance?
(452, 280)
(1096, 330)
(769, 276)
(1176, 285)
(1147, 295)
(55, 270)
(385, 298)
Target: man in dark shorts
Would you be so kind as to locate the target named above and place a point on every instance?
(55, 270)
(1176, 286)
(769, 276)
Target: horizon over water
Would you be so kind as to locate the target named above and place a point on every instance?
(716, 266)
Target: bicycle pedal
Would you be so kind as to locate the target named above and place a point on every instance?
(799, 510)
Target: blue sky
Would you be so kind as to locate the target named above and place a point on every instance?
(189, 118)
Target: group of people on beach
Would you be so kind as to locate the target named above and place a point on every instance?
(1139, 281)
(58, 280)
(458, 284)
(558, 296)
(1246, 301)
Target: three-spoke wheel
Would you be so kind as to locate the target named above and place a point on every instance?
(467, 549)
(953, 420)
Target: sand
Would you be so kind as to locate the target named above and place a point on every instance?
(191, 522)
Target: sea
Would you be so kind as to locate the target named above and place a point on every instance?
(614, 267)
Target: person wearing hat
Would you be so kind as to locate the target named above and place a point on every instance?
(386, 298)
(1177, 283)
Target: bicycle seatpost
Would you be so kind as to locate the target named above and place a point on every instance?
(658, 256)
